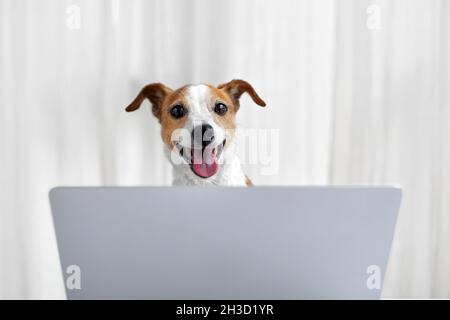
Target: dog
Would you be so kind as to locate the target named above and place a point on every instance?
(198, 126)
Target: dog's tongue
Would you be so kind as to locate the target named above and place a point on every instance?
(204, 163)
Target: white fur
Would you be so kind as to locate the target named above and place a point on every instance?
(199, 97)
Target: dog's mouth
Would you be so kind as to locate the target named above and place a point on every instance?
(204, 162)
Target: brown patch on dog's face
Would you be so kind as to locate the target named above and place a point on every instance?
(228, 119)
(163, 99)
(168, 123)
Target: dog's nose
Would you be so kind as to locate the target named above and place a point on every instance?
(202, 135)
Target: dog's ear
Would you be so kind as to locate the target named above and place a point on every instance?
(235, 89)
(155, 92)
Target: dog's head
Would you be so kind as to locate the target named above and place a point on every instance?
(197, 121)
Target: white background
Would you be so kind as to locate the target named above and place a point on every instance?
(357, 89)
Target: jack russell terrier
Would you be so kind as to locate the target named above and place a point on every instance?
(197, 127)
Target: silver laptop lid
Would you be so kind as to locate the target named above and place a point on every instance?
(224, 243)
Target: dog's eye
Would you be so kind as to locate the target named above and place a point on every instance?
(178, 111)
(220, 108)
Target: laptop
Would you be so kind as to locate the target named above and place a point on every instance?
(224, 242)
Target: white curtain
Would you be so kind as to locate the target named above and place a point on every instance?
(357, 89)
